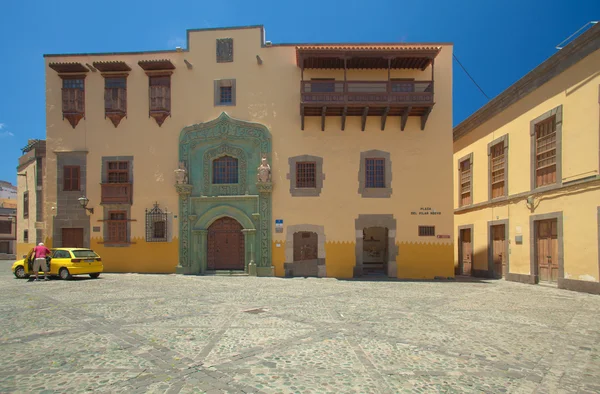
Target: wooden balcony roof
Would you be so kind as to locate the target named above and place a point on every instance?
(366, 56)
(71, 67)
(111, 66)
(156, 65)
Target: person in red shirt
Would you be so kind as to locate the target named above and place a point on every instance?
(40, 260)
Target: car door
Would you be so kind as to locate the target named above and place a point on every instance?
(60, 258)
(26, 262)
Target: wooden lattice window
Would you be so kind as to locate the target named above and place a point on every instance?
(118, 172)
(156, 225)
(375, 173)
(71, 178)
(160, 93)
(73, 96)
(498, 169)
(225, 170)
(115, 94)
(306, 174)
(117, 227)
(465, 182)
(26, 204)
(545, 152)
(426, 231)
(5, 227)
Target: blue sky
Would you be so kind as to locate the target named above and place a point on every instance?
(497, 41)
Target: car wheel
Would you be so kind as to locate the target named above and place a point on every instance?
(20, 272)
(64, 274)
(95, 276)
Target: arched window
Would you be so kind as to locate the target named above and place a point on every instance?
(225, 170)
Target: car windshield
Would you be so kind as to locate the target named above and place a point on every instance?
(84, 253)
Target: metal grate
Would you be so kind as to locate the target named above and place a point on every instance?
(306, 174)
(226, 94)
(156, 224)
(426, 231)
(375, 173)
(225, 170)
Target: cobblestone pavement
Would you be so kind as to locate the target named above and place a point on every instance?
(174, 334)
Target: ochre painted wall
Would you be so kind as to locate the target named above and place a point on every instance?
(577, 90)
(142, 256)
(268, 94)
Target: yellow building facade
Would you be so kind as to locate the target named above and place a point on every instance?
(30, 217)
(239, 155)
(526, 175)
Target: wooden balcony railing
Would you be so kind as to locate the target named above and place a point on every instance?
(116, 193)
(367, 92)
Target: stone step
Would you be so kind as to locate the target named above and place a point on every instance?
(227, 273)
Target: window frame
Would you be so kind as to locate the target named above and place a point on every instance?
(69, 180)
(73, 98)
(26, 204)
(557, 113)
(293, 173)
(154, 216)
(375, 192)
(504, 141)
(218, 84)
(468, 158)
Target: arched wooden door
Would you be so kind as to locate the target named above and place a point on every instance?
(225, 245)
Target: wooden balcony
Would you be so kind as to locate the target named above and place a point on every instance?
(366, 98)
(116, 193)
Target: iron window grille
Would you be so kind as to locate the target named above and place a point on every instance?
(225, 170)
(156, 224)
(426, 231)
(375, 173)
(226, 95)
(306, 174)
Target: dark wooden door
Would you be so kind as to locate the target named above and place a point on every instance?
(547, 250)
(72, 238)
(467, 251)
(305, 246)
(225, 245)
(499, 250)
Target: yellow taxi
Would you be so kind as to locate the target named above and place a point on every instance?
(65, 263)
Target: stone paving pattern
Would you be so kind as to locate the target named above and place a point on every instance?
(129, 333)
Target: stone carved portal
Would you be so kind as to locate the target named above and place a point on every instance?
(203, 204)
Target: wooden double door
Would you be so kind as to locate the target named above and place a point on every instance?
(72, 238)
(226, 245)
(499, 250)
(546, 249)
(466, 255)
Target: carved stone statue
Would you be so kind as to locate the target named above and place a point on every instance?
(181, 176)
(264, 171)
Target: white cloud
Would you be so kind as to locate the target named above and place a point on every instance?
(2, 125)
(6, 134)
(176, 42)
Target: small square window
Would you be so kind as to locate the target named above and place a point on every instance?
(224, 92)
(426, 231)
